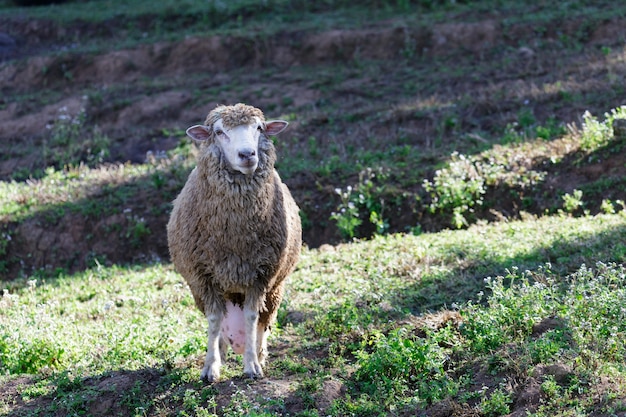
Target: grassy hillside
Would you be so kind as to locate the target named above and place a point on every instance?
(461, 175)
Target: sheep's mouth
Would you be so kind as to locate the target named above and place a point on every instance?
(248, 167)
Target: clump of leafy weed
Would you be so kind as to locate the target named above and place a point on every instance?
(457, 188)
(20, 354)
(497, 404)
(137, 228)
(526, 127)
(402, 365)
(596, 134)
(71, 142)
(365, 199)
(512, 311)
(572, 202)
(585, 328)
(608, 207)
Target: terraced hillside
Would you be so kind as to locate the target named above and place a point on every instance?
(396, 94)
(416, 117)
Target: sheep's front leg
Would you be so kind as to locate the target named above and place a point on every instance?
(251, 366)
(213, 361)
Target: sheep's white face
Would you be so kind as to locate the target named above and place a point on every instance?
(239, 144)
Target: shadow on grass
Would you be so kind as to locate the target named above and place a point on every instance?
(111, 393)
(441, 288)
(147, 391)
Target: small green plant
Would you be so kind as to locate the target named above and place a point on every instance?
(457, 189)
(192, 404)
(347, 215)
(497, 404)
(70, 142)
(595, 133)
(551, 130)
(364, 199)
(27, 356)
(513, 310)
(572, 202)
(607, 206)
(137, 229)
(394, 365)
(550, 387)
(549, 346)
(526, 127)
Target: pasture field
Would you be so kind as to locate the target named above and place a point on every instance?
(461, 174)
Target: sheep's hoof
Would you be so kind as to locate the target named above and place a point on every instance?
(209, 376)
(206, 379)
(253, 371)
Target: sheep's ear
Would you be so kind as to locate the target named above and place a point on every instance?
(199, 133)
(274, 127)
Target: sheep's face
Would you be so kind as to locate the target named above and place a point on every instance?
(239, 144)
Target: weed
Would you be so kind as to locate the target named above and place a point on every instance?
(348, 215)
(607, 206)
(28, 356)
(551, 130)
(400, 365)
(241, 404)
(573, 202)
(137, 230)
(364, 199)
(549, 346)
(457, 188)
(71, 143)
(511, 314)
(497, 404)
(550, 387)
(38, 389)
(596, 134)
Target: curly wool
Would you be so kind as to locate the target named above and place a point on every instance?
(232, 116)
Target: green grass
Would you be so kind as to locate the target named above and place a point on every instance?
(365, 301)
(77, 322)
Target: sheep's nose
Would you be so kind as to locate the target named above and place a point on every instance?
(246, 154)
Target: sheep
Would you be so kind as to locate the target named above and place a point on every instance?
(235, 234)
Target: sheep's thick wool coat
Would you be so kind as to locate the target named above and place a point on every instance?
(233, 236)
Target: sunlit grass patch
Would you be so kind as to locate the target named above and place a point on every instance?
(102, 319)
(416, 273)
(88, 191)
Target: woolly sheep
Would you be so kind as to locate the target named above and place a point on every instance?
(234, 234)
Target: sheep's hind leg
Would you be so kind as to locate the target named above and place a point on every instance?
(213, 361)
(251, 366)
(223, 348)
(262, 351)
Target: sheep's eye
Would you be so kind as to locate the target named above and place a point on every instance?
(219, 132)
(259, 128)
